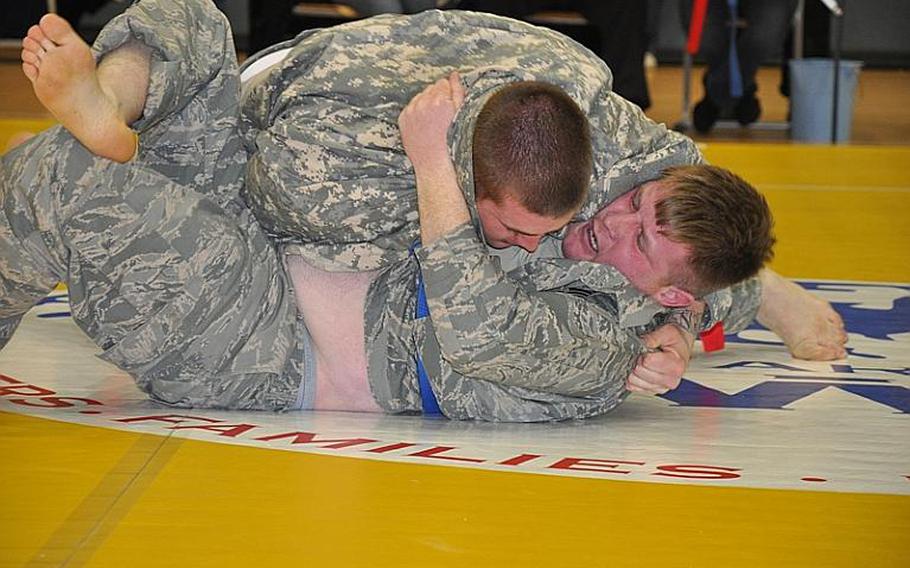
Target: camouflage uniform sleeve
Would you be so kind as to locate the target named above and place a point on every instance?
(736, 306)
(630, 149)
(490, 328)
(327, 174)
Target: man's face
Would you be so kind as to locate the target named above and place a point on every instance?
(625, 235)
(509, 224)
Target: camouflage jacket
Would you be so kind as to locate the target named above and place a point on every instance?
(328, 178)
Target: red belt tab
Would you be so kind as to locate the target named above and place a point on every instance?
(713, 339)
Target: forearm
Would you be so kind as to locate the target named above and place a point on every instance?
(423, 125)
(440, 203)
(630, 149)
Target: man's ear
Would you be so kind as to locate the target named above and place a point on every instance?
(673, 297)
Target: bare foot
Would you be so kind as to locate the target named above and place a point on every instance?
(809, 326)
(62, 71)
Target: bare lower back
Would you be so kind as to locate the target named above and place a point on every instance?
(331, 304)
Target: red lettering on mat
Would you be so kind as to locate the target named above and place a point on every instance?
(688, 471)
(54, 401)
(587, 464)
(169, 418)
(435, 452)
(310, 438)
(227, 430)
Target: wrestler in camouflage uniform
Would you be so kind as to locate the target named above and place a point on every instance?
(172, 277)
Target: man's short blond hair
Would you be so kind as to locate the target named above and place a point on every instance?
(725, 222)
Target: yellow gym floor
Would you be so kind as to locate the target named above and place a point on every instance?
(760, 460)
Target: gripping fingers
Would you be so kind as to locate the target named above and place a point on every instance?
(665, 376)
(637, 384)
(669, 338)
(666, 364)
(657, 373)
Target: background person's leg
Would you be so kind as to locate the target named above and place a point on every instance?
(622, 27)
(767, 22)
(269, 23)
(714, 48)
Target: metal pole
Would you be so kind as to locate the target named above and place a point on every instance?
(693, 40)
(685, 118)
(838, 34)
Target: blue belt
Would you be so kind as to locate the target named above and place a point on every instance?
(428, 400)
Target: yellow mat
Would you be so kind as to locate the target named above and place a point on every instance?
(656, 483)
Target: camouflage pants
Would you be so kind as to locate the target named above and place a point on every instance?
(167, 271)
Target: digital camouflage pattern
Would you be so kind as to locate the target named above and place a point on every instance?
(328, 175)
(329, 179)
(168, 272)
(171, 276)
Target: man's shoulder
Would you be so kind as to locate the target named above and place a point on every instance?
(512, 257)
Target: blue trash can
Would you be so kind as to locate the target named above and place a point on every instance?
(812, 98)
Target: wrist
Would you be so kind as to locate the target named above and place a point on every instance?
(431, 165)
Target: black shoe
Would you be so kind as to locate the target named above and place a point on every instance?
(747, 110)
(704, 115)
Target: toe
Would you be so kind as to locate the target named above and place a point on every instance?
(56, 28)
(30, 58)
(31, 46)
(30, 71)
(37, 38)
(35, 33)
